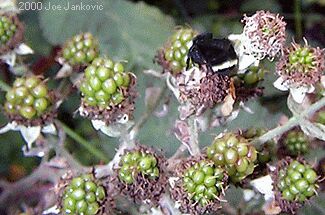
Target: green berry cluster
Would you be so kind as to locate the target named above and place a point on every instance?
(303, 56)
(83, 196)
(235, 154)
(81, 49)
(7, 29)
(296, 142)
(135, 162)
(177, 49)
(103, 83)
(321, 117)
(252, 76)
(203, 182)
(28, 98)
(297, 182)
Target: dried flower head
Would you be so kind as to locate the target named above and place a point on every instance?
(108, 91)
(30, 103)
(301, 65)
(198, 186)
(294, 182)
(141, 175)
(202, 89)
(84, 194)
(265, 33)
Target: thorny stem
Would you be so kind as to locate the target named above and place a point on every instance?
(293, 121)
(99, 154)
(127, 140)
(4, 86)
(61, 151)
(42, 173)
(194, 136)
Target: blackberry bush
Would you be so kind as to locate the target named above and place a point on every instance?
(29, 98)
(173, 56)
(83, 195)
(82, 49)
(141, 175)
(296, 142)
(235, 154)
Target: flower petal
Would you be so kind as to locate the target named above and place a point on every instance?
(23, 49)
(8, 127)
(281, 84)
(299, 93)
(264, 185)
(49, 129)
(65, 71)
(9, 58)
(113, 130)
(30, 134)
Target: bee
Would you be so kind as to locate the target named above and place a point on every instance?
(218, 55)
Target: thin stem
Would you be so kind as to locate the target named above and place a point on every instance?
(144, 118)
(293, 121)
(298, 18)
(194, 136)
(61, 151)
(99, 154)
(4, 86)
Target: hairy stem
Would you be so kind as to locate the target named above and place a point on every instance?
(194, 136)
(293, 121)
(99, 154)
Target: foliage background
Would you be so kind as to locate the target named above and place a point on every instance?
(133, 31)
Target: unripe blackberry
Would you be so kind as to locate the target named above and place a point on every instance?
(203, 182)
(29, 99)
(267, 151)
(296, 142)
(7, 30)
(141, 175)
(199, 185)
(82, 49)
(294, 183)
(108, 88)
(11, 32)
(235, 154)
(174, 54)
(83, 196)
(134, 163)
(252, 76)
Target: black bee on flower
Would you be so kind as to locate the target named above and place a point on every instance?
(218, 55)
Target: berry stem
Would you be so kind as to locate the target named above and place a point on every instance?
(193, 148)
(293, 121)
(99, 154)
(4, 86)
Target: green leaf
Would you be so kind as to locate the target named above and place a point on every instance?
(126, 31)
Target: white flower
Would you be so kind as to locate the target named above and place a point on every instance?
(298, 93)
(246, 59)
(29, 133)
(115, 129)
(8, 5)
